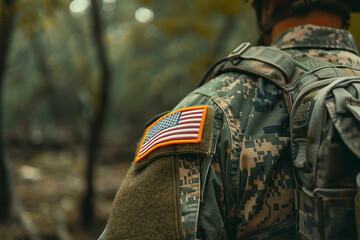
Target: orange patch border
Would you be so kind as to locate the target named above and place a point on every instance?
(198, 140)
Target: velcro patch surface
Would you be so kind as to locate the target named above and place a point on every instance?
(181, 126)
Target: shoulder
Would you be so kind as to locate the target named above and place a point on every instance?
(229, 90)
(194, 123)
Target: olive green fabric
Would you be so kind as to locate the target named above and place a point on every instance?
(147, 205)
(139, 212)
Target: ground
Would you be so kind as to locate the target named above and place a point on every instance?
(49, 186)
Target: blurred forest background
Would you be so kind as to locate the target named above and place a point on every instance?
(78, 80)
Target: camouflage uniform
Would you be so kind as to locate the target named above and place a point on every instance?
(238, 182)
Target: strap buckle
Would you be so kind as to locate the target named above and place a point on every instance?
(238, 51)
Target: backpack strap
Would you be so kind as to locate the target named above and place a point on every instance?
(266, 62)
(271, 56)
(272, 64)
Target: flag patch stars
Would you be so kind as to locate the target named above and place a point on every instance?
(182, 126)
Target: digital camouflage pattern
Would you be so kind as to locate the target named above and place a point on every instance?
(311, 43)
(250, 187)
(189, 192)
(246, 179)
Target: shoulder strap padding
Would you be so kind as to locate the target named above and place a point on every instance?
(273, 57)
(266, 62)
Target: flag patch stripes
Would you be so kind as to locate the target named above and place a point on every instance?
(182, 126)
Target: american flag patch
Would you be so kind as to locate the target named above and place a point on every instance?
(181, 126)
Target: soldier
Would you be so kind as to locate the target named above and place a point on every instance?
(219, 165)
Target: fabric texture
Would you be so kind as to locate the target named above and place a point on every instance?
(249, 187)
(147, 205)
(240, 186)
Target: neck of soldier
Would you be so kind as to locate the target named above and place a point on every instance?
(316, 17)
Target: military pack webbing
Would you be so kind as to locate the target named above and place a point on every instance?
(281, 69)
(292, 76)
(267, 55)
(311, 207)
(248, 59)
(245, 59)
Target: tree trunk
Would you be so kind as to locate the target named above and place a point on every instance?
(97, 123)
(6, 29)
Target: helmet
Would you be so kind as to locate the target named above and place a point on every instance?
(335, 5)
(343, 7)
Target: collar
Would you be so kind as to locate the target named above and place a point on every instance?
(311, 36)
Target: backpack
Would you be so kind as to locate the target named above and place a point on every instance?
(324, 108)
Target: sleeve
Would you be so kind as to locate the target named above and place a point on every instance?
(160, 195)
